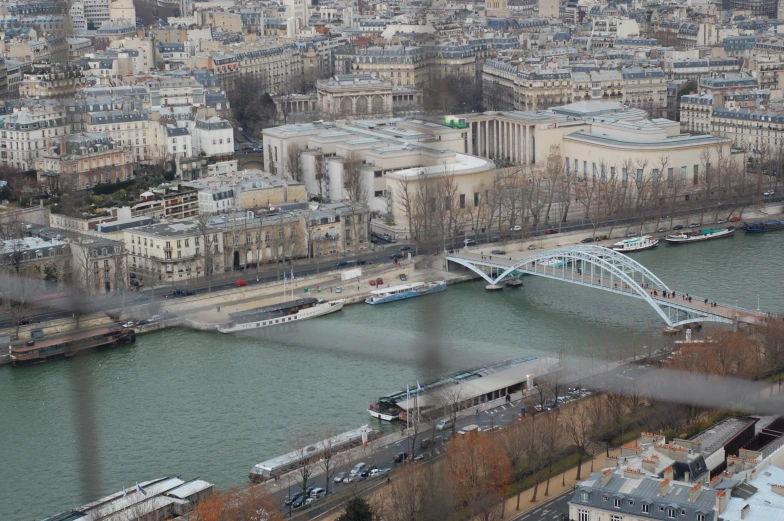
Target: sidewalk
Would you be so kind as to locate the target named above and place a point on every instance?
(556, 486)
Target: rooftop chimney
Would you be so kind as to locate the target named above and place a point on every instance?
(606, 476)
(694, 493)
(668, 473)
(611, 461)
(649, 465)
(721, 501)
(744, 511)
(664, 487)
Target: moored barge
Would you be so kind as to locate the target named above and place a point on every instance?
(67, 345)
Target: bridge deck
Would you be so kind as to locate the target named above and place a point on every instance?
(528, 263)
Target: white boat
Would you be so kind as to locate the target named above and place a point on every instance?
(646, 242)
(411, 290)
(555, 262)
(283, 313)
(700, 235)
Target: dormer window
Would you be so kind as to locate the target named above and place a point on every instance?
(617, 503)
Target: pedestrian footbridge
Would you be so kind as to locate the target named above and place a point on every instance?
(602, 268)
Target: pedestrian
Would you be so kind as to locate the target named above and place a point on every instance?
(706, 301)
(491, 257)
(689, 299)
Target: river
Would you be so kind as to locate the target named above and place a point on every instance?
(204, 404)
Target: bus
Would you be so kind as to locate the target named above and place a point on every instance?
(455, 122)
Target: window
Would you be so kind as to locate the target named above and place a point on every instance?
(655, 176)
(462, 201)
(594, 171)
(700, 517)
(612, 173)
(646, 508)
(617, 503)
(670, 177)
(604, 173)
(616, 518)
(683, 173)
(281, 233)
(567, 166)
(584, 496)
(585, 168)
(179, 244)
(195, 240)
(266, 236)
(187, 242)
(696, 178)
(476, 198)
(639, 176)
(583, 515)
(671, 513)
(624, 177)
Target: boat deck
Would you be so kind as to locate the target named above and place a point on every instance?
(21, 348)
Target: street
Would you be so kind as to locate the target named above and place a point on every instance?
(554, 509)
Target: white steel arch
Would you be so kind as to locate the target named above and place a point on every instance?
(597, 267)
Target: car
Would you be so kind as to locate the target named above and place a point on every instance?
(498, 252)
(663, 229)
(495, 238)
(532, 247)
(372, 282)
(318, 492)
(677, 227)
(362, 262)
(446, 437)
(734, 219)
(444, 424)
(289, 500)
(721, 221)
(469, 242)
(379, 472)
(426, 443)
(403, 276)
(768, 193)
(154, 318)
(357, 468)
(128, 324)
(404, 248)
(400, 457)
(395, 257)
(339, 289)
(310, 500)
(419, 457)
(346, 263)
(695, 225)
(515, 228)
(379, 282)
(587, 240)
(339, 477)
(240, 283)
(631, 234)
(298, 502)
(550, 231)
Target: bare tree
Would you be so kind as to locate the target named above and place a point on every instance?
(576, 424)
(294, 165)
(451, 400)
(210, 247)
(304, 449)
(329, 451)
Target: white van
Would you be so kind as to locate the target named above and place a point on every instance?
(470, 428)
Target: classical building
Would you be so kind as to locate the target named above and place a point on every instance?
(29, 262)
(355, 95)
(25, 134)
(85, 159)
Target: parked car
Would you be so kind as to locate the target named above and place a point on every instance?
(403, 277)
(372, 282)
(379, 282)
(734, 219)
(404, 248)
(498, 252)
(663, 229)
(631, 234)
(469, 242)
(515, 228)
(297, 503)
(128, 324)
(768, 193)
(339, 289)
(444, 424)
(154, 318)
(346, 263)
(495, 238)
(587, 240)
(400, 457)
(532, 247)
(677, 227)
(379, 472)
(363, 262)
(357, 468)
(426, 443)
(318, 492)
(396, 257)
(695, 225)
(419, 457)
(339, 477)
(289, 500)
(240, 283)
(721, 221)
(551, 231)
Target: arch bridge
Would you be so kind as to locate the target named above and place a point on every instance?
(606, 269)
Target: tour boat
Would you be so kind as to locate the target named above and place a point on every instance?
(687, 236)
(646, 242)
(411, 290)
(283, 313)
(65, 346)
(555, 262)
(761, 227)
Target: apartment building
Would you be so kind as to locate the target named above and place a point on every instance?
(213, 137)
(26, 133)
(28, 261)
(52, 80)
(85, 159)
(169, 91)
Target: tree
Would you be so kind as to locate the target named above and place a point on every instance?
(330, 450)
(451, 400)
(356, 192)
(302, 444)
(251, 105)
(357, 509)
(294, 162)
(576, 424)
(205, 233)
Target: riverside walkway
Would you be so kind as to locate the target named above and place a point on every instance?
(603, 268)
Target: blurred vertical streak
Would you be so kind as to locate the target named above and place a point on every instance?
(431, 352)
(86, 430)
